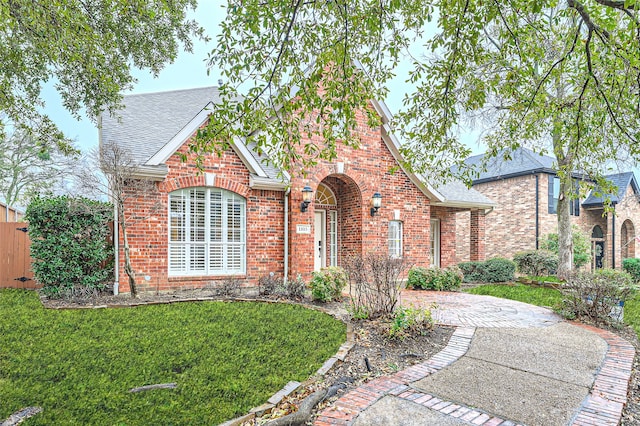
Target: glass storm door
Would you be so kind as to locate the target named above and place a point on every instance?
(319, 240)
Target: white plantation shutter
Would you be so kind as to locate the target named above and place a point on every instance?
(207, 232)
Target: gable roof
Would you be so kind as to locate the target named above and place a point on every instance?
(522, 161)
(620, 180)
(153, 126)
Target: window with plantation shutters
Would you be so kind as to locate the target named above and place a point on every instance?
(207, 232)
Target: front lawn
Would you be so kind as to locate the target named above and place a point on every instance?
(225, 358)
(540, 296)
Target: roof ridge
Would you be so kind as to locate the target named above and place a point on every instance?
(162, 92)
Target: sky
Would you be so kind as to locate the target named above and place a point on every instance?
(188, 71)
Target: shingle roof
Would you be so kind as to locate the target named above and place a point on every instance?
(457, 192)
(621, 181)
(148, 121)
(522, 161)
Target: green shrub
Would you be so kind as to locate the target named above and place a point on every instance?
(494, 270)
(499, 270)
(327, 284)
(69, 244)
(632, 266)
(595, 295)
(409, 321)
(536, 262)
(581, 246)
(421, 278)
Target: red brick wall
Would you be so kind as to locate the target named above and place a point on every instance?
(362, 173)
(148, 232)
(365, 171)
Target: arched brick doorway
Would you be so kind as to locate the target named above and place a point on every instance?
(627, 240)
(337, 221)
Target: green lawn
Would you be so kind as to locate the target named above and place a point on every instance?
(225, 358)
(540, 296)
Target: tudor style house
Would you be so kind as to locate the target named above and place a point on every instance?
(525, 190)
(238, 219)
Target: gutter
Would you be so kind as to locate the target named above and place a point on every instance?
(116, 248)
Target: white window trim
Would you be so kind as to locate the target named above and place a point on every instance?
(208, 271)
(397, 240)
(435, 242)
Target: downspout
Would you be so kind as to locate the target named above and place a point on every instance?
(286, 234)
(116, 255)
(537, 210)
(613, 237)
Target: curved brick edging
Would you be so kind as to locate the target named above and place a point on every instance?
(350, 405)
(608, 396)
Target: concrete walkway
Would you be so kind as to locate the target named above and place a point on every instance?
(508, 363)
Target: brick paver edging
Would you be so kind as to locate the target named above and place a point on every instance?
(349, 406)
(603, 406)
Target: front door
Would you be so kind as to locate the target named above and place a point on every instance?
(319, 230)
(598, 254)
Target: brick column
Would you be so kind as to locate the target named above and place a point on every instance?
(477, 236)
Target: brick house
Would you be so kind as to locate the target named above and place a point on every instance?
(525, 189)
(238, 218)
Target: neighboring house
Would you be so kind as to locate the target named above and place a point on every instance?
(10, 214)
(237, 219)
(526, 188)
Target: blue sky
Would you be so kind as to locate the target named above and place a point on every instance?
(189, 71)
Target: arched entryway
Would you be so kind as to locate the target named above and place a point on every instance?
(597, 247)
(337, 221)
(627, 240)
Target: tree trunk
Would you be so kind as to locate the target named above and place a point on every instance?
(127, 255)
(565, 237)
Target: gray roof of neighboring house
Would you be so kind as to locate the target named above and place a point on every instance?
(621, 181)
(456, 191)
(521, 161)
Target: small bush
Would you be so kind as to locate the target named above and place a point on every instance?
(268, 284)
(229, 287)
(434, 278)
(595, 295)
(494, 270)
(410, 321)
(499, 270)
(632, 266)
(274, 285)
(375, 284)
(536, 262)
(328, 283)
(293, 289)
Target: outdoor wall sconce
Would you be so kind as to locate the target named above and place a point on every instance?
(376, 202)
(307, 192)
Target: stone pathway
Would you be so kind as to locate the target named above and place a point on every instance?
(581, 373)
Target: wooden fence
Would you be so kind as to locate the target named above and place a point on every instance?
(15, 259)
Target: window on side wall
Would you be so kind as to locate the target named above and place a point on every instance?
(207, 232)
(395, 238)
(554, 195)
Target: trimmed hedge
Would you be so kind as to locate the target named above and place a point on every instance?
(69, 244)
(494, 270)
(632, 266)
(420, 278)
(536, 262)
(327, 283)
